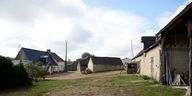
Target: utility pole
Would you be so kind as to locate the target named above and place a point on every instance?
(19, 46)
(66, 69)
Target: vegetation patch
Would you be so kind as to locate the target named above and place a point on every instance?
(116, 85)
(38, 89)
(12, 75)
(36, 71)
(124, 80)
(145, 77)
(147, 88)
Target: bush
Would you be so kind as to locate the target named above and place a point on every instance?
(36, 71)
(12, 76)
(88, 71)
(145, 77)
(22, 76)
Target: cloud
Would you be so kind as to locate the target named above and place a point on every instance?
(22, 11)
(166, 16)
(116, 29)
(43, 24)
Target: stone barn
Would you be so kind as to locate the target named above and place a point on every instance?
(176, 49)
(99, 64)
(169, 58)
(82, 64)
(148, 59)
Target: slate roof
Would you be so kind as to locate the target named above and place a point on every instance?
(107, 60)
(36, 55)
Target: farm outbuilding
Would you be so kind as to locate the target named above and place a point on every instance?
(148, 59)
(176, 46)
(125, 62)
(170, 56)
(82, 64)
(99, 64)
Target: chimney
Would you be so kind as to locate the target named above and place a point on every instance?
(49, 50)
(148, 41)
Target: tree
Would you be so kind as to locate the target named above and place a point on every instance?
(12, 76)
(86, 55)
(22, 77)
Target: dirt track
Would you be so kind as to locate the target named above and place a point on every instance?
(76, 75)
(96, 86)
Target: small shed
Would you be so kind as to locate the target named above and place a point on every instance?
(125, 62)
(132, 68)
(82, 64)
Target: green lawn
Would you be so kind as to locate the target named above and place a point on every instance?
(37, 89)
(146, 87)
(118, 85)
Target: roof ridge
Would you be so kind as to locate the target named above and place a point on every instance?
(104, 57)
(36, 50)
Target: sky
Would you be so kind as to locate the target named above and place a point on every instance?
(100, 27)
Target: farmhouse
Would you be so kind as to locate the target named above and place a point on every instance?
(97, 64)
(82, 64)
(168, 58)
(149, 58)
(50, 60)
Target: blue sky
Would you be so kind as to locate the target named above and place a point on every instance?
(100, 27)
(150, 9)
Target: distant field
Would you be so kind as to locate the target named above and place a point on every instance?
(104, 85)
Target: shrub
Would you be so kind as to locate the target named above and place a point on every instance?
(88, 71)
(145, 77)
(22, 77)
(12, 76)
(36, 71)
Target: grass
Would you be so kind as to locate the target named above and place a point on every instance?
(37, 89)
(131, 85)
(45, 86)
(146, 87)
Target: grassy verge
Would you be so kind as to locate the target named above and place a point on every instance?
(127, 85)
(146, 87)
(37, 89)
